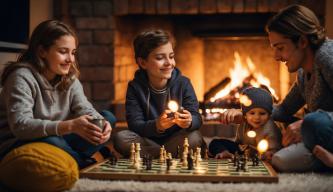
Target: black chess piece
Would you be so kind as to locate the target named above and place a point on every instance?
(168, 163)
(235, 159)
(189, 162)
(178, 155)
(149, 163)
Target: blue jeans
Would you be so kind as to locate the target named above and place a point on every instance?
(317, 129)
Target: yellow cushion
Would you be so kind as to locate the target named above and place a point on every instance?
(38, 167)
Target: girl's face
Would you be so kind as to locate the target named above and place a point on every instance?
(159, 63)
(257, 117)
(286, 51)
(59, 57)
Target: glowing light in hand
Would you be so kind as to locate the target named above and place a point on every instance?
(262, 145)
(173, 106)
(251, 134)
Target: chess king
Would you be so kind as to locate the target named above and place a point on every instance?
(255, 125)
(156, 82)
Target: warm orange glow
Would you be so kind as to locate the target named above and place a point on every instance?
(245, 100)
(262, 146)
(173, 106)
(239, 73)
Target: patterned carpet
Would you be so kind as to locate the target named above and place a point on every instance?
(309, 182)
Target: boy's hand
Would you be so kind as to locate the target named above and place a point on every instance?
(163, 122)
(232, 116)
(184, 119)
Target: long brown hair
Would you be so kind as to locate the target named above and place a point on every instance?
(296, 20)
(44, 35)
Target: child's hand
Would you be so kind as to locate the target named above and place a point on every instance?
(184, 119)
(224, 155)
(232, 116)
(163, 122)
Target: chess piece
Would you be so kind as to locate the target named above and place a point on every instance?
(189, 162)
(185, 163)
(132, 153)
(206, 154)
(137, 152)
(162, 153)
(198, 153)
(185, 146)
(168, 163)
(235, 159)
(178, 154)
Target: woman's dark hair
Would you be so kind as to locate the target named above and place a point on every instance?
(148, 40)
(295, 21)
(44, 36)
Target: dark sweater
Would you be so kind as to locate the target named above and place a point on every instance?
(143, 106)
(316, 92)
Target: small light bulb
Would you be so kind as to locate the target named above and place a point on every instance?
(173, 106)
(262, 145)
(251, 134)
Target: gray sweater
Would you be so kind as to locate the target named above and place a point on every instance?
(316, 92)
(31, 108)
(269, 131)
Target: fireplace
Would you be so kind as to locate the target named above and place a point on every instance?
(205, 52)
(210, 36)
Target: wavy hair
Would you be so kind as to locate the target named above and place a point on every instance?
(44, 35)
(295, 21)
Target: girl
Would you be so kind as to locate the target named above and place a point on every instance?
(42, 99)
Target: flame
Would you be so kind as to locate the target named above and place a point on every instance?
(239, 73)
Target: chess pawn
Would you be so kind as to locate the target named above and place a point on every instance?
(162, 153)
(165, 155)
(132, 153)
(136, 164)
(198, 153)
(185, 163)
(186, 145)
(137, 152)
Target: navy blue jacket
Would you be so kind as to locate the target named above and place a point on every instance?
(141, 112)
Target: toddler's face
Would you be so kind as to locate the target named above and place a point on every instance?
(257, 117)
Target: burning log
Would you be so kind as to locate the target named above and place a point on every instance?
(212, 91)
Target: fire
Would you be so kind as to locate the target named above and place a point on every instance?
(239, 73)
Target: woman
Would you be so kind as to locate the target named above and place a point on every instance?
(156, 82)
(42, 99)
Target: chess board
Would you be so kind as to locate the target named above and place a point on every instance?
(211, 170)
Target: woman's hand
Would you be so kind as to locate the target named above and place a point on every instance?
(292, 134)
(184, 119)
(107, 133)
(82, 127)
(232, 116)
(164, 122)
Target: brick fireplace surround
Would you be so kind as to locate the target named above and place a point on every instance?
(106, 29)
